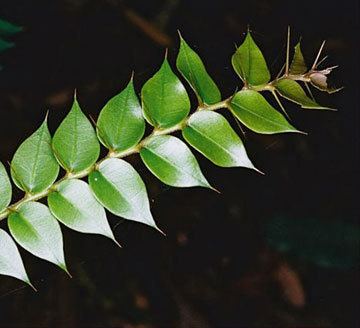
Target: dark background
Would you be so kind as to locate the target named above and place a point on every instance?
(279, 250)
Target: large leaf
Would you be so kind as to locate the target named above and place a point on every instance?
(164, 98)
(5, 188)
(121, 190)
(192, 68)
(298, 65)
(172, 162)
(75, 143)
(293, 91)
(11, 263)
(121, 125)
(34, 167)
(249, 63)
(252, 109)
(35, 229)
(74, 205)
(211, 134)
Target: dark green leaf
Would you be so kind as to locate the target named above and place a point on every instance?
(172, 162)
(5, 45)
(298, 65)
(121, 125)
(293, 91)
(5, 188)
(249, 63)
(252, 109)
(164, 98)
(11, 263)
(7, 28)
(74, 204)
(75, 143)
(35, 229)
(211, 134)
(34, 167)
(121, 190)
(192, 68)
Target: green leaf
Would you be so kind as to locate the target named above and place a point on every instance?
(293, 91)
(7, 28)
(121, 190)
(164, 98)
(34, 167)
(5, 188)
(5, 45)
(75, 143)
(11, 263)
(193, 70)
(121, 125)
(74, 204)
(252, 109)
(172, 162)
(298, 65)
(249, 63)
(211, 134)
(36, 230)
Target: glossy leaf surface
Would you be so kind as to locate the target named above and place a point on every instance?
(293, 91)
(36, 230)
(34, 167)
(249, 63)
(164, 98)
(75, 143)
(74, 204)
(172, 162)
(252, 109)
(121, 190)
(211, 134)
(192, 68)
(121, 125)
(5, 188)
(11, 263)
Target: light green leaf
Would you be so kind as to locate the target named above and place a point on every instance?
(36, 230)
(121, 125)
(164, 98)
(75, 143)
(298, 65)
(11, 263)
(34, 167)
(172, 162)
(249, 63)
(74, 204)
(293, 91)
(211, 134)
(5, 188)
(193, 70)
(121, 190)
(252, 109)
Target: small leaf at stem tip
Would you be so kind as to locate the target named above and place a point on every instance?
(36, 230)
(34, 167)
(120, 189)
(164, 99)
(249, 63)
(291, 90)
(193, 70)
(298, 65)
(252, 109)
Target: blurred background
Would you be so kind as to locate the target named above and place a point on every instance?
(280, 250)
